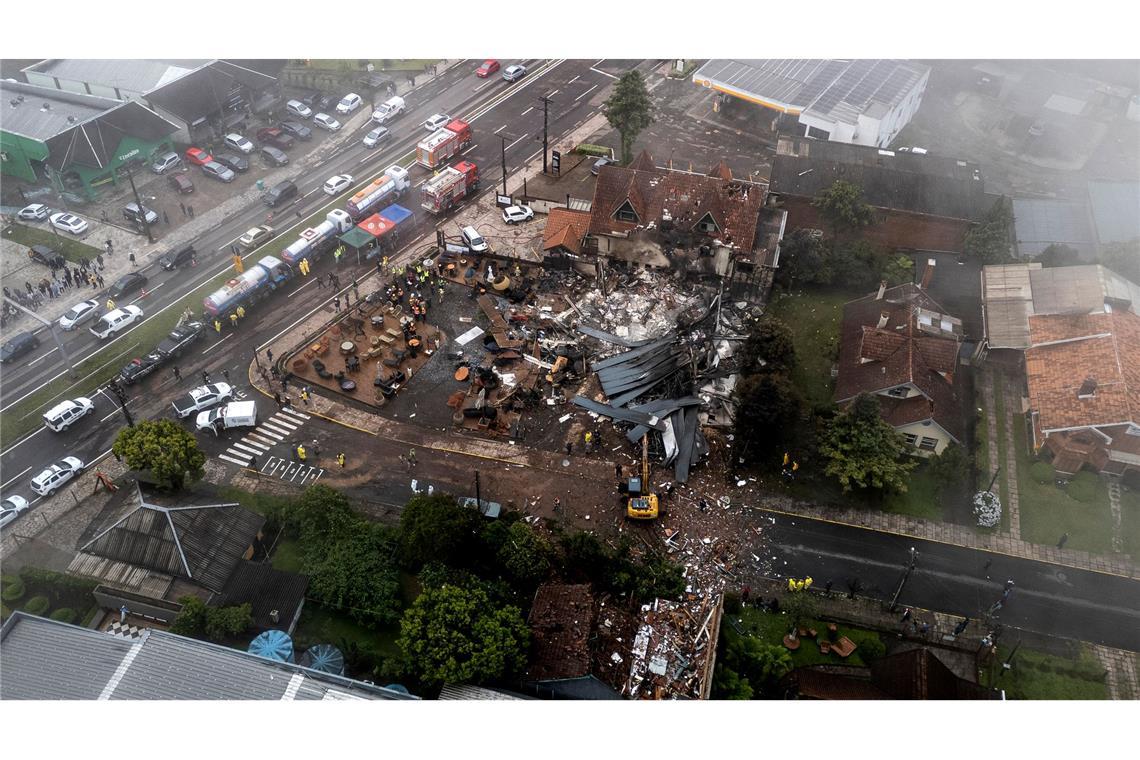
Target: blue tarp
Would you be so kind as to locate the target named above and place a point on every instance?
(325, 658)
(273, 645)
(397, 215)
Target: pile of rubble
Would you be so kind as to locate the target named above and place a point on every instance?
(643, 306)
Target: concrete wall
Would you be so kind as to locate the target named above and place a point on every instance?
(894, 229)
(926, 430)
(113, 599)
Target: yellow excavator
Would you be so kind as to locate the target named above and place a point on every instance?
(642, 502)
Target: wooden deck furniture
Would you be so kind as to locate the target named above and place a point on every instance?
(844, 647)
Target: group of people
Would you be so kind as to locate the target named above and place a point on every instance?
(235, 316)
(63, 278)
(301, 454)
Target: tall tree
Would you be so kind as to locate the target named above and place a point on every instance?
(989, 241)
(169, 452)
(804, 259)
(355, 571)
(898, 270)
(767, 408)
(770, 348)
(843, 207)
(1058, 255)
(436, 528)
(629, 110)
(525, 555)
(863, 450)
(949, 469)
(858, 264)
(457, 635)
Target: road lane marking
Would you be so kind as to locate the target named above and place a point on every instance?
(551, 95)
(220, 342)
(295, 413)
(239, 462)
(271, 434)
(572, 81)
(13, 479)
(524, 113)
(500, 129)
(34, 362)
(603, 73)
(148, 292)
(298, 290)
(587, 92)
(516, 142)
(256, 437)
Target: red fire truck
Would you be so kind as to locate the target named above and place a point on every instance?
(451, 185)
(443, 144)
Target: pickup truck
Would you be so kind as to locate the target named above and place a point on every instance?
(232, 415)
(172, 346)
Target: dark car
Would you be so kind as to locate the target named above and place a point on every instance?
(181, 183)
(42, 254)
(128, 283)
(233, 161)
(311, 99)
(177, 257)
(324, 103)
(140, 368)
(272, 156)
(297, 129)
(179, 338)
(19, 345)
(275, 138)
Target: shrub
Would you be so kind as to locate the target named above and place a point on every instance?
(1083, 487)
(987, 508)
(1042, 472)
(37, 605)
(595, 150)
(4, 612)
(64, 615)
(13, 590)
(871, 647)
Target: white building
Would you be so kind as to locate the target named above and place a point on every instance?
(865, 102)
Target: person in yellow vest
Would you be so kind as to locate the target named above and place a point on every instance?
(217, 326)
(110, 305)
(340, 459)
(791, 584)
(385, 264)
(301, 451)
(807, 583)
(799, 585)
(233, 320)
(241, 312)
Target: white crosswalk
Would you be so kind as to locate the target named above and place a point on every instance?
(270, 432)
(297, 473)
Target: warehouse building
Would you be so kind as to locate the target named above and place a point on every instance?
(865, 102)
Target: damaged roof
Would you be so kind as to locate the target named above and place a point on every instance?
(731, 208)
(902, 338)
(924, 184)
(560, 621)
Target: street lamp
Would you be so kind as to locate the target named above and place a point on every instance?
(903, 580)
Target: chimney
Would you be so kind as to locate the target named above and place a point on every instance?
(884, 317)
(275, 616)
(928, 273)
(882, 290)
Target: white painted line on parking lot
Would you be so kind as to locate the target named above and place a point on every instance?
(13, 478)
(603, 73)
(572, 81)
(220, 342)
(524, 113)
(600, 60)
(587, 92)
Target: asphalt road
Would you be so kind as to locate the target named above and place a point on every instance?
(492, 106)
(1046, 598)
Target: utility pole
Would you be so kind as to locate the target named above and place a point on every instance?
(51, 327)
(903, 580)
(121, 396)
(504, 139)
(545, 112)
(138, 202)
(1008, 664)
(994, 479)
(478, 495)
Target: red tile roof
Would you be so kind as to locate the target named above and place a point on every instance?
(566, 228)
(874, 358)
(733, 206)
(1066, 350)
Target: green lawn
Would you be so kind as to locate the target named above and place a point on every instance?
(1048, 512)
(1130, 521)
(1003, 447)
(70, 248)
(813, 317)
(920, 500)
(771, 629)
(287, 556)
(1037, 675)
(319, 625)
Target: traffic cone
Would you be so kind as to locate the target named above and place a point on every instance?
(144, 293)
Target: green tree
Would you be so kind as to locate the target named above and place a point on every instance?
(844, 209)
(858, 264)
(319, 514)
(355, 570)
(436, 528)
(728, 684)
(770, 347)
(863, 450)
(629, 110)
(197, 620)
(525, 556)
(1058, 255)
(989, 241)
(170, 453)
(898, 270)
(799, 607)
(191, 619)
(767, 408)
(457, 635)
(949, 468)
(804, 259)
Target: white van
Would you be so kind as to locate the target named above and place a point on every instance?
(474, 240)
(388, 110)
(232, 415)
(61, 416)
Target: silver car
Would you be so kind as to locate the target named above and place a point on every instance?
(78, 314)
(217, 171)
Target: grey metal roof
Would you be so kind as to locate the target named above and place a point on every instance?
(132, 74)
(30, 119)
(45, 659)
(1039, 223)
(834, 90)
(1115, 210)
(468, 691)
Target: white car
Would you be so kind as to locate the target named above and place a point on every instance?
(11, 508)
(36, 212)
(201, 398)
(78, 314)
(116, 321)
(48, 481)
(239, 143)
(69, 222)
(297, 108)
(324, 121)
(438, 121)
(516, 214)
(348, 103)
(338, 184)
(376, 136)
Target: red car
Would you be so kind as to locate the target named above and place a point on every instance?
(198, 157)
(489, 67)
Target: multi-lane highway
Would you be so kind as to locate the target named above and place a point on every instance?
(492, 106)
